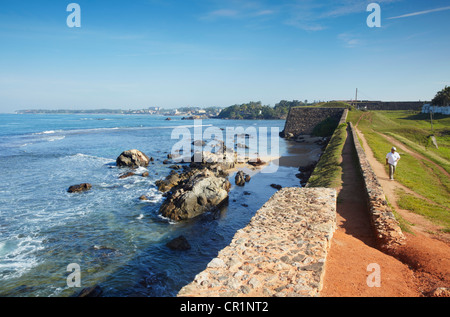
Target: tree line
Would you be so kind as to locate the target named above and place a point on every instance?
(442, 97)
(255, 110)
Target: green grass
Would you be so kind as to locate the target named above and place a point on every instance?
(353, 116)
(440, 158)
(334, 104)
(414, 130)
(405, 225)
(328, 170)
(436, 213)
(421, 176)
(329, 104)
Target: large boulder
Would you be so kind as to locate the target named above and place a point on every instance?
(164, 185)
(200, 192)
(79, 188)
(226, 159)
(240, 178)
(180, 243)
(133, 159)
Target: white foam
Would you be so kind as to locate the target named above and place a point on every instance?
(91, 130)
(56, 138)
(20, 259)
(170, 221)
(86, 156)
(48, 132)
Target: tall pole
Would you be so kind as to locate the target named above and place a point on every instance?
(431, 118)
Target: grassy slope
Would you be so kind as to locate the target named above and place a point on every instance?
(328, 170)
(418, 175)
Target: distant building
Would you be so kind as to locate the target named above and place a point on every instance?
(427, 108)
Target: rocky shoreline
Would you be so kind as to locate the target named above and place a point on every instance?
(194, 187)
(199, 184)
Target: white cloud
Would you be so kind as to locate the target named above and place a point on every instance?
(238, 12)
(349, 40)
(227, 13)
(264, 12)
(419, 13)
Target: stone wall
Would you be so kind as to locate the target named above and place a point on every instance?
(387, 229)
(390, 105)
(281, 252)
(303, 120)
(343, 117)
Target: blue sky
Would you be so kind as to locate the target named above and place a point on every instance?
(219, 53)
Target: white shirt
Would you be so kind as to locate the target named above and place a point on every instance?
(393, 158)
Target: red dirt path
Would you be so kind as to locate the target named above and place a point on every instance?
(418, 268)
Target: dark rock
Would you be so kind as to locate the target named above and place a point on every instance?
(179, 243)
(186, 200)
(95, 291)
(143, 197)
(312, 267)
(126, 175)
(193, 117)
(258, 162)
(133, 159)
(79, 188)
(299, 258)
(247, 178)
(305, 173)
(166, 184)
(276, 186)
(145, 174)
(247, 193)
(240, 178)
(199, 143)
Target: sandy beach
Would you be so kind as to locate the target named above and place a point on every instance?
(302, 153)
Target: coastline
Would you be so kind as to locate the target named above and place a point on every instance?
(129, 220)
(298, 154)
(302, 153)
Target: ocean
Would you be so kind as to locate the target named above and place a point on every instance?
(117, 240)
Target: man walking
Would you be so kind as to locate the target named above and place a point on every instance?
(392, 159)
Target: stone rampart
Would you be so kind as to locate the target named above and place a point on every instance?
(387, 229)
(390, 105)
(281, 252)
(303, 120)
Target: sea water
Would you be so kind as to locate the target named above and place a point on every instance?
(118, 241)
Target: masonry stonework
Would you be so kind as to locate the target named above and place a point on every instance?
(387, 229)
(303, 120)
(281, 252)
